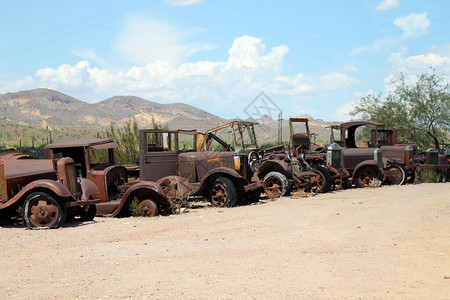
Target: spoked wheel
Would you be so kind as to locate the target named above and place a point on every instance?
(147, 208)
(43, 211)
(365, 175)
(399, 174)
(320, 183)
(337, 180)
(276, 185)
(223, 193)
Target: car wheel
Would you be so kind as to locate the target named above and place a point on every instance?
(365, 175)
(147, 208)
(322, 182)
(223, 193)
(41, 210)
(276, 185)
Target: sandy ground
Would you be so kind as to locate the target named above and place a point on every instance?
(389, 242)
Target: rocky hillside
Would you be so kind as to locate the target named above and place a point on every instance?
(57, 109)
(44, 106)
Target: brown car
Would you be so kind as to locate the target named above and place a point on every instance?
(44, 192)
(333, 176)
(221, 177)
(278, 173)
(362, 162)
(94, 160)
(406, 157)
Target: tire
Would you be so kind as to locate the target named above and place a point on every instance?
(147, 208)
(400, 178)
(276, 185)
(365, 175)
(223, 193)
(322, 182)
(41, 210)
(88, 213)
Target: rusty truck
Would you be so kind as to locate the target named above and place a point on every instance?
(365, 163)
(94, 160)
(278, 173)
(300, 145)
(406, 155)
(220, 176)
(42, 192)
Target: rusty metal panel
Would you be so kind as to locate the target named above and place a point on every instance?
(158, 164)
(109, 143)
(67, 175)
(206, 161)
(352, 157)
(187, 167)
(3, 186)
(28, 167)
(394, 153)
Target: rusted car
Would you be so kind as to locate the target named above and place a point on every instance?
(363, 164)
(94, 160)
(222, 177)
(333, 176)
(43, 192)
(272, 166)
(406, 156)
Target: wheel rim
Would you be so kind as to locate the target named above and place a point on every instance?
(44, 212)
(147, 208)
(317, 182)
(366, 176)
(219, 195)
(273, 187)
(337, 179)
(397, 177)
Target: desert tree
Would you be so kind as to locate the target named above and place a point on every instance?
(423, 105)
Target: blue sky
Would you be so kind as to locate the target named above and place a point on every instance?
(309, 57)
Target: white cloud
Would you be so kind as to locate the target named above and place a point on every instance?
(387, 4)
(217, 86)
(413, 25)
(350, 68)
(335, 80)
(412, 66)
(342, 113)
(184, 2)
(417, 64)
(144, 41)
(65, 76)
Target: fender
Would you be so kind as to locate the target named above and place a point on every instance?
(365, 164)
(274, 165)
(89, 190)
(42, 184)
(216, 172)
(149, 187)
(175, 187)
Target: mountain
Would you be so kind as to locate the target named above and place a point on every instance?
(57, 109)
(44, 106)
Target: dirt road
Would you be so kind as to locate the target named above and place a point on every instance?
(389, 242)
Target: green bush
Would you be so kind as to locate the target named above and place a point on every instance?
(429, 176)
(134, 207)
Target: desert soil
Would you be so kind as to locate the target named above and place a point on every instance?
(381, 243)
